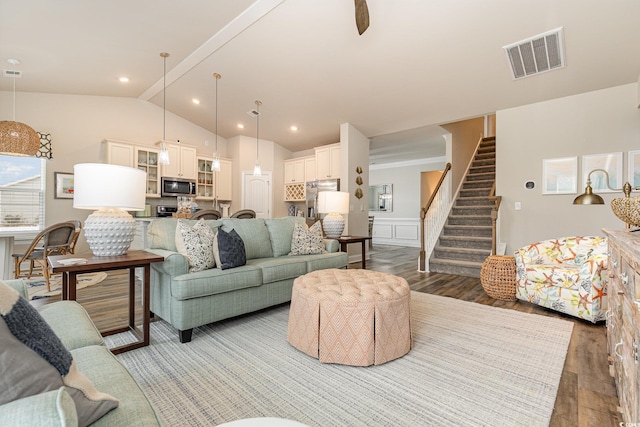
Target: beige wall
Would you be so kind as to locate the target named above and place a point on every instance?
(428, 183)
(597, 122)
(78, 124)
(242, 150)
(354, 150)
(465, 136)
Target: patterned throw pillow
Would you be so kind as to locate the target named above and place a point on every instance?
(307, 241)
(33, 360)
(228, 249)
(196, 243)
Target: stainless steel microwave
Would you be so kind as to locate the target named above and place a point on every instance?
(177, 187)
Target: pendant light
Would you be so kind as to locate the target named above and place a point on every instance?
(256, 170)
(17, 139)
(215, 166)
(163, 157)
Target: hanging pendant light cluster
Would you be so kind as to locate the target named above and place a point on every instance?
(16, 138)
(215, 166)
(256, 170)
(163, 157)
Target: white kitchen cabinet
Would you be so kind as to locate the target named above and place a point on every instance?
(224, 180)
(146, 159)
(136, 156)
(294, 171)
(309, 168)
(119, 153)
(182, 162)
(210, 184)
(328, 162)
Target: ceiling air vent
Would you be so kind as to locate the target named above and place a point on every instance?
(536, 54)
(12, 73)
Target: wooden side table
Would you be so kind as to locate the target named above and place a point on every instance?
(131, 261)
(345, 240)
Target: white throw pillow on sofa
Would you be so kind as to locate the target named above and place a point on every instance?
(196, 243)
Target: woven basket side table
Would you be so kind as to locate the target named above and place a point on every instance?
(498, 277)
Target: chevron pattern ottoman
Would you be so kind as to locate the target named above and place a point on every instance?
(350, 317)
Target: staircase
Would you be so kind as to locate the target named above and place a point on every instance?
(465, 240)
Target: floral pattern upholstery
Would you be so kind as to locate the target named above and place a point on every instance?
(565, 275)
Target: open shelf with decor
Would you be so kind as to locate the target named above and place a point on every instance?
(206, 183)
(147, 160)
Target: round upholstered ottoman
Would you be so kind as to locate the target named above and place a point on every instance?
(351, 317)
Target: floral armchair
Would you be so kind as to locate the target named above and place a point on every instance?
(565, 275)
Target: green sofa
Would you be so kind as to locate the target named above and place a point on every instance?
(188, 300)
(72, 325)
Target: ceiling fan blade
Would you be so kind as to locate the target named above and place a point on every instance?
(362, 16)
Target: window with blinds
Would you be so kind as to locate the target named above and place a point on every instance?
(22, 185)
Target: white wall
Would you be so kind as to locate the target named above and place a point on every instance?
(79, 123)
(597, 122)
(406, 185)
(402, 225)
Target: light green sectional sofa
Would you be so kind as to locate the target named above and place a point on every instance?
(188, 300)
(55, 407)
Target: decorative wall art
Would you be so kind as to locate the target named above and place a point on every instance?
(64, 185)
(359, 192)
(611, 162)
(634, 168)
(559, 176)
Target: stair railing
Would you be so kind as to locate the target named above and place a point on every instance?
(433, 216)
(494, 217)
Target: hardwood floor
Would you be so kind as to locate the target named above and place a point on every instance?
(587, 393)
(586, 396)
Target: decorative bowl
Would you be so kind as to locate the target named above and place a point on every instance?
(627, 209)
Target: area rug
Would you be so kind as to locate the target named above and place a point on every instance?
(470, 365)
(37, 288)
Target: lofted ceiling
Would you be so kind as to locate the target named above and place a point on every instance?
(421, 62)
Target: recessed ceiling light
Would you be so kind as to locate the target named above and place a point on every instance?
(195, 101)
(240, 126)
(123, 79)
(294, 128)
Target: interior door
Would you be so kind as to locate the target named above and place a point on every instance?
(256, 193)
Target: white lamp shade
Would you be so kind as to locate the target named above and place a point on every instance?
(100, 185)
(333, 202)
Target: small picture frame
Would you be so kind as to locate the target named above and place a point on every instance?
(611, 162)
(634, 168)
(63, 185)
(559, 176)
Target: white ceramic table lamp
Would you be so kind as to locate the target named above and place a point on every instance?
(111, 190)
(333, 203)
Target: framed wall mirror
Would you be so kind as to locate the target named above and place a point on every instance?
(381, 198)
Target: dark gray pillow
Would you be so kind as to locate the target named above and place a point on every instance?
(33, 360)
(230, 250)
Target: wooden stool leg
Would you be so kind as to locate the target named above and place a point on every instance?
(45, 272)
(16, 268)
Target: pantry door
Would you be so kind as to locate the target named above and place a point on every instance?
(256, 193)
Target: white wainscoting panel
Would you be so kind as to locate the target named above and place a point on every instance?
(396, 231)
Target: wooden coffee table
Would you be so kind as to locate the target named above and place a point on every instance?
(131, 261)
